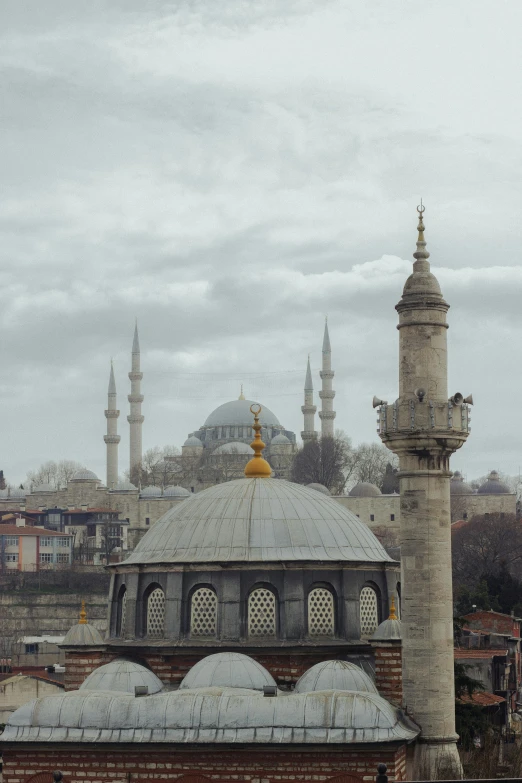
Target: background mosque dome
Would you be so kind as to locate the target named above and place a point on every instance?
(238, 412)
(319, 487)
(17, 493)
(493, 485)
(388, 630)
(458, 486)
(45, 487)
(228, 670)
(234, 447)
(85, 475)
(125, 486)
(150, 492)
(82, 634)
(258, 520)
(193, 441)
(121, 675)
(280, 440)
(365, 490)
(176, 492)
(335, 676)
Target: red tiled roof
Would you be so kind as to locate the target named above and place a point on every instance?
(32, 671)
(459, 653)
(459, 523)
(482, 699)
(13, 530)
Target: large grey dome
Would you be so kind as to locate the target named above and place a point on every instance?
(319, 488)
(228, 670)
(458, 486)
(121, 675)
(150, 492)
(85, 475)
(258, 520)
(493, 485)
(176, 492)
(193, 441)
(234, 447)
(238, 412)
(365, 490)
(45, 487)
(335, 676)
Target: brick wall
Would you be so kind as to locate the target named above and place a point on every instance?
(493, 621)
(388, 670)
(270, 764)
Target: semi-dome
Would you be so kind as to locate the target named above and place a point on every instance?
(335, 676)
(319, 488)
(365, 490)
(458, 486)
(82, 634)
(258, 520)
(193, 441)
(280, 440)
(493, 485)
(45, 487)
(176, 492)
(150, 492)
(234, 447)
(238, 412)
(121, 675)
(228, 670)
(85, 475)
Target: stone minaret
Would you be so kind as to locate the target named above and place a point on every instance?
(135, 419)
(112, 438)
(327, 413)
(424, 428)
(308, 408)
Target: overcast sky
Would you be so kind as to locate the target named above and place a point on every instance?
(231, 172)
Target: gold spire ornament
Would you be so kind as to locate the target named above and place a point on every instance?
(257, 467)
(83, 615)
(393, 610)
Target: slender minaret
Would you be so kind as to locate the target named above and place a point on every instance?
(135, 398)
(112, 438)
(424, 428)
(308, 408)
(327, 413)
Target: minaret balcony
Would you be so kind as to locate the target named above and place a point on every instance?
(327, 394)
(111, 438)
(135, 419)
(327, 415)
(326, 374)
(112, 414)
(414, 415)
(308, 409)
(135, 398)
(135, 375)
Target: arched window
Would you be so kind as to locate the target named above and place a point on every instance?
(121, 611)
(203, 612)
(261, 612)
(321, 615)
(155, 613)
(368, 611)
(398, 605)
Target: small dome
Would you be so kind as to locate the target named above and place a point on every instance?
(17, 493)
(494, 486)
(280, 440)
(193, 441)
(238, 412)
(121, 675)
(458, 486)
(387, 630)
(85, 475)
(335, 676)
(176, 492)
(125, 486)
(235, 447)
(82, 634)
(150, 492)
(319, 488)
(43, 488)
(228, 670)
(365, 490)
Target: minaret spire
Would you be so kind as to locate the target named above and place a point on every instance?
(135, 418)
(327, 413)
(112, 438)
(308, 409)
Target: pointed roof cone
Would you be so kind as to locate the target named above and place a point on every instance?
(136, 341)
(326, 338)
(421, 252)
(309, 386)
(112, 382)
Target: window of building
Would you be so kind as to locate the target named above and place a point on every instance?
(115, 530)
(203, 612)
(62, 557)
(121, 612)
(11, 558)
(372, 517)
(62, 541)
(392, 517)
(368, 611)
(31, 649)
(321, 619)
(46, 557)
(147, 520)
(261, 612)
(46, 541)
(11, 541)
(54, 518)
(156, 613)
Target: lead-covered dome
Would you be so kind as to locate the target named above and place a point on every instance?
(228, 670)
(85, 475)
(193, 441)
(458, 486)
(335, 676)
(258, 520)
(238, 412)
(493, 485)
(365, 490)
(122, 675)
(234, 447)
(319, 488)
(82, 634)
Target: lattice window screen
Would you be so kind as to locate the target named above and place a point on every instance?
(261, 613)
(203, 612)
(156, 613)
(123, 614)
(321, 620)
(368, 611)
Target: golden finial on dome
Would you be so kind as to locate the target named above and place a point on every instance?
(241, 396)
(393, 611)
(83, 615)
(257, 467)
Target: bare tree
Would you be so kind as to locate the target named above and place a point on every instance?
(484, 546)
(57, 474)
(371, 461)
(323, 461)
(160, 467)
